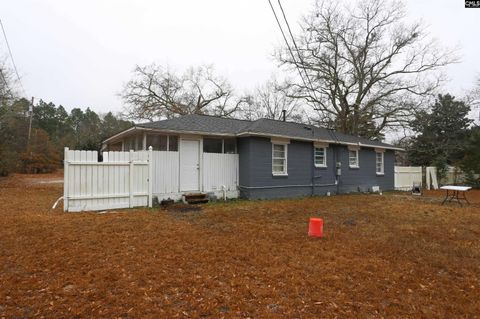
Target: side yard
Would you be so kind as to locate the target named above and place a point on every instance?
(383, 256)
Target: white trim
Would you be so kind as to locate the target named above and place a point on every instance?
(382, 172)
(354, 147)
(280, 141)
(357, 151)
(321, 144)
(285, 168)
(315, 147)
(171, 132)
(284, 137)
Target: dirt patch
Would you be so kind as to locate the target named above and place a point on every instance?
(183, 208)
(382, 257)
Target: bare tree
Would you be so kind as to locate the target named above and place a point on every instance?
(367, 70)
(155, 92)
(7, 84)
(270, 100)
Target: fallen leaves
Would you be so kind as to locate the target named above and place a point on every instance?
(382, 256)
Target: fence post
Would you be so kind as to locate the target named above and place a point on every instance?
(131, 179)
(150, 176)
(65, 180)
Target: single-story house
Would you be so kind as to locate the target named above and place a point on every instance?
(275, 158)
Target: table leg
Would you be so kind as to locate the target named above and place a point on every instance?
(465, 197)
(458, 200)
(446, 197)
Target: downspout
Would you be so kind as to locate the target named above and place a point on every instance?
(313, 169)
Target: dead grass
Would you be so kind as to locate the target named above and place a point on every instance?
(383, 256)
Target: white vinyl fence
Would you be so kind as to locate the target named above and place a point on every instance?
(132, 179)
(166, 170)
(120, 181)
(220, 171)
(405, 176)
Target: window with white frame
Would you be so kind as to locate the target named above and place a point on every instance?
(320, 157)
(353, 158)
(279, 159)
(379, 163)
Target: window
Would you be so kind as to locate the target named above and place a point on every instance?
(212, 145)
(173, 143)
(279, 159)
(130, 143)
(162, 142)
(353, 158)
(320, 156)
(157, 142)
(219, 145)
(379, 163)
(229, 146)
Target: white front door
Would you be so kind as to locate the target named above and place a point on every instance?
(189, 165)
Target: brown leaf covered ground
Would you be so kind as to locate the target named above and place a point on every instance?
(390, 256)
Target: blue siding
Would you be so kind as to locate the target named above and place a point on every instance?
(257, 181)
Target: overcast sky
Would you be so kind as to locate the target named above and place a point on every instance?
(80, 53)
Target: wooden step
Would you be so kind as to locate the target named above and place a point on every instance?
(196, 198)
(198, 201)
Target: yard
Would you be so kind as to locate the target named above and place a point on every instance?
(383, 256)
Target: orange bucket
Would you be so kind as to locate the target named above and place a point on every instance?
(315, 227)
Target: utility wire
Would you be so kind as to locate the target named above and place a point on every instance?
(298, 51)
(288, 45)
(11, 57)
(4, 80)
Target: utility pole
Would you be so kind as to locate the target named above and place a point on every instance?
(30, 110)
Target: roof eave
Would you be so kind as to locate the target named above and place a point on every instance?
(242, 134)
(320, 140)
(160, 130)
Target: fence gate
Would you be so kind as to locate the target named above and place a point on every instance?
(405, 176)
(122, 180)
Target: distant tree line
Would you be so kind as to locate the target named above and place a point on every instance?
(53, 128)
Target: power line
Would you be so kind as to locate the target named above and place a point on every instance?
(298, 51)
(4, 80)
(11, 57)
(288, 45)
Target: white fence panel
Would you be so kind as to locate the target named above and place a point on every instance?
(120, 181)
(405, 176)
(128, 179)
(220, 170)
(166, 172)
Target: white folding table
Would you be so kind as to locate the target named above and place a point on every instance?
(454, 191)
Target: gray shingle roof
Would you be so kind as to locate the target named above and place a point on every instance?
(199, 123)
(267, 127)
